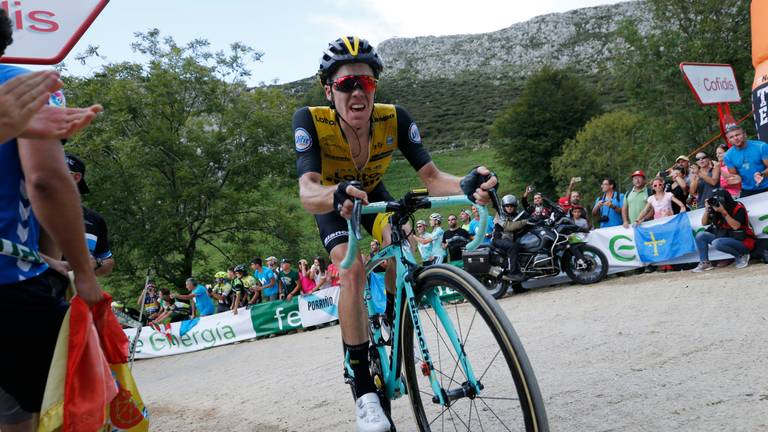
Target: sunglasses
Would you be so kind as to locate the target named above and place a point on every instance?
(702, 158)
(348, 83)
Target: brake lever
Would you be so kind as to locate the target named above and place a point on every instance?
(357, 208)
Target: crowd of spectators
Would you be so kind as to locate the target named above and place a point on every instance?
(736, 172)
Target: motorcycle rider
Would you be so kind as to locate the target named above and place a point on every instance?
(506, 226)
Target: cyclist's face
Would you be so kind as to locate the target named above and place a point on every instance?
(355, 107)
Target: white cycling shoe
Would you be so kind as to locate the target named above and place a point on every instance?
(370, 415)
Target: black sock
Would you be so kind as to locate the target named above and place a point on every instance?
(390, 311)
(358, 361)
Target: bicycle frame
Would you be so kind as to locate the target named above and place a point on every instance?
(400, 250)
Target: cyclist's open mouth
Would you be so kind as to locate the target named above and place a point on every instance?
(357, 107)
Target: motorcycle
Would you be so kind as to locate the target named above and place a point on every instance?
(547, 247)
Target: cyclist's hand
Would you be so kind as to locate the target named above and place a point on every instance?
(345, 193)
(477, 183)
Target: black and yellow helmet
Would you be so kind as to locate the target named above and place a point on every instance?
(346, 50)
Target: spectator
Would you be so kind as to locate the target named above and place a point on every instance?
(425, 248)
(375, 247)
(268, 281)
(571, 197)
(685, 164)
(608, 206)
(22, 101)
(252, 286)
(36, 192)
(635, 199)
(332, 273)
(465, 218)
(679, 188)
(730, 231)
(199, 294)
(454, 239)
(578, 216)
(320, 274)
(272, 264)
(243, 291)
(222, 292)
(476, 223)
(749, 159)
(174, 309)
(96, 232)
(706, 179)
(151, 301)
(288, 280)
(306, 281)
(434, 239)
(660, 202)
(538, 209)
(730, 182)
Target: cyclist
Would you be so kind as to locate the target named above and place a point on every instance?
(222, 292)
(343, 150)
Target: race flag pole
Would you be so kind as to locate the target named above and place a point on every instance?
(141, 316)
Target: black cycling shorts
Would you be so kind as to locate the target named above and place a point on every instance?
(333, 227)
(32, 312)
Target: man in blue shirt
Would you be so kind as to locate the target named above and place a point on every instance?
(203, 302)
(608, 206)
(268, 280)
(748, 159)
(476, 222)
(36, 191)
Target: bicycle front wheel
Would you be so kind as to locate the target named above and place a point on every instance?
(509, 399)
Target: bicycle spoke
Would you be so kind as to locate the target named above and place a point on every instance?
(451, 410)
(494, 414)
(489, 365)
(477, 412)
(464, 341)
(434, 324)
(497, 398)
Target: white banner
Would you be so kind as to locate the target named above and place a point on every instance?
(319, 307)
(213, 330)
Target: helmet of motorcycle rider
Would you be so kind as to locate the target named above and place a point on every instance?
(507, 201)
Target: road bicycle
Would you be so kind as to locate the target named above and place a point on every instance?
(449, 346)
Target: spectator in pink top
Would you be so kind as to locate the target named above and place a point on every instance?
(306, 281)
(660, 202)
(730, 182)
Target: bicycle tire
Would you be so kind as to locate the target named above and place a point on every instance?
(531, 415)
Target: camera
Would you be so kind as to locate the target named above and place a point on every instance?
(603, 219)
(713, 201)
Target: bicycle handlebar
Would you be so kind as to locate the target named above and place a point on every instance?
(353, 224)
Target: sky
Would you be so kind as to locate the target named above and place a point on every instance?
(291, 33)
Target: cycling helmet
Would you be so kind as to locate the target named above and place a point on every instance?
(220, 275)
(509, 200)
(436, 216)
(346, 50)
(240, 268)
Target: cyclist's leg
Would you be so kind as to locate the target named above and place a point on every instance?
(353, 317)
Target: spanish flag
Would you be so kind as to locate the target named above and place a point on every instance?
(90, 387)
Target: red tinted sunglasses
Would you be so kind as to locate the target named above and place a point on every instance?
(348, 83)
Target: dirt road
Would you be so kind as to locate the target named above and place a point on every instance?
(654, 352)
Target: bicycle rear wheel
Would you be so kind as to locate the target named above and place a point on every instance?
(510, 399)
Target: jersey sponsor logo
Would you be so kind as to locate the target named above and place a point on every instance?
(384, 118)
(413, 133)
(303, 140)
(332, 236)
(329, 122)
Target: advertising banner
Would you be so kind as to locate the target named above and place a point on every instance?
(319, 307)
(760, 110)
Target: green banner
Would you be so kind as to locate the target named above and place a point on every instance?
(275, 317)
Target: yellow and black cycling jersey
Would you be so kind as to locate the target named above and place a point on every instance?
(321, 146)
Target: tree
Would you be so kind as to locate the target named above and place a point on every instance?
(186, 158)
(614, 144)
(552, 107)
(706, 31)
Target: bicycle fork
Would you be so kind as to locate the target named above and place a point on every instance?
(472, 387)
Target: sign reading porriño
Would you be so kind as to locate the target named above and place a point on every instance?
(45, 31)
(711, 83)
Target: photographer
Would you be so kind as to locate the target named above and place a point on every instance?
(608, 206)
(730, 231)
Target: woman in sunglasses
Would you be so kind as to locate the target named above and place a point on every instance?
(342, 151)
(706, 180)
